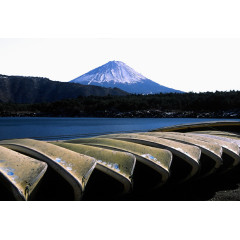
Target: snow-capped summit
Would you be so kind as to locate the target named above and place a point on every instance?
(118, 74)
(115, 71)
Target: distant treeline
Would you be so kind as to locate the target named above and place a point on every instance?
(98, 106)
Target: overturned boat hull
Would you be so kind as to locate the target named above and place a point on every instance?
(119, 165)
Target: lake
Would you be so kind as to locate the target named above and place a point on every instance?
(69, 128)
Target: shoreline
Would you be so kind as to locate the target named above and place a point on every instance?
(231, 114)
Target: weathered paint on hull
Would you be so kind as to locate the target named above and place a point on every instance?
(157, 159)
(115, 164)
(212, 151)
(21, 173)
(190, 155)
(73, 167)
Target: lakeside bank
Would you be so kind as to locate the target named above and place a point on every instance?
(152, 113)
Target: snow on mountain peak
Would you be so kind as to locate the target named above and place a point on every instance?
(113, 71)
(118, 74)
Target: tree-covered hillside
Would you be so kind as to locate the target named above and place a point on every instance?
(136, 106)
(18, 89)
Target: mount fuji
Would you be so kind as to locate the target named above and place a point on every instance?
(118, 74)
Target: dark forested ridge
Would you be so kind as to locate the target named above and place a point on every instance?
(209, 104)
(18, 89)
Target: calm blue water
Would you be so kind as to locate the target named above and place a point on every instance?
(62, 128)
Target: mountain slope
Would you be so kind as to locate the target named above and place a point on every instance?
(19, 89)
(118, 74)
